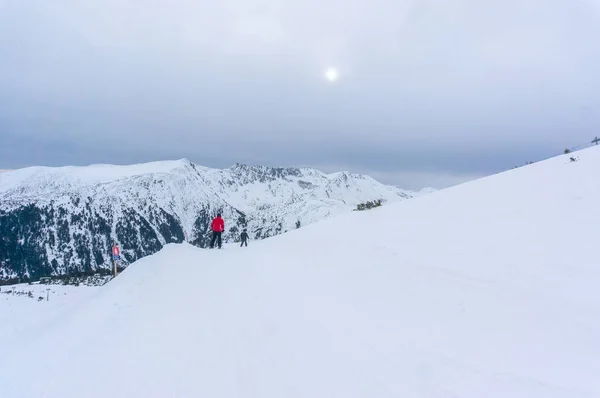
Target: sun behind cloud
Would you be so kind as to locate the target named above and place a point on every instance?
(331, 74)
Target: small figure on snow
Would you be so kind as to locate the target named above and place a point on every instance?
(244, 237)
(218, 226)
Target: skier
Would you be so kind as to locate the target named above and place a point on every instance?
(218, 226)
(244, 237)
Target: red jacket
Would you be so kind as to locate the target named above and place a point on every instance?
(218, 225)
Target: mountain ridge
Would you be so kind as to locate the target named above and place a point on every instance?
(63, 220)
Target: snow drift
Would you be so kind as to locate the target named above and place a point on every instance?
(488, 289)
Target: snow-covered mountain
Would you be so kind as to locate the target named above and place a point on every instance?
(64, 220)
(484, 290)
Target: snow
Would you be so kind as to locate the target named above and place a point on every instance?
(272, 200)
(85, 174)
(487, 289)
(243, 187)
(21, 314)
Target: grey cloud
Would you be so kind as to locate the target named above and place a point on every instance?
(456, 88)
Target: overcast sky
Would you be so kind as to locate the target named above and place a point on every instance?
(430, 92)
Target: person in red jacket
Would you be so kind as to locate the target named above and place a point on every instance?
(218, 226)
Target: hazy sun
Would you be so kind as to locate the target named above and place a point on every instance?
(331, 74)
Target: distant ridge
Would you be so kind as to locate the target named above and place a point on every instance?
(64, 220)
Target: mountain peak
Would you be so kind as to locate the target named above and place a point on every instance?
(68, 216)
(265, 171)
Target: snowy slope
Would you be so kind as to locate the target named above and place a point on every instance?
(488, 289)
(65, 220)
(24, 307)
